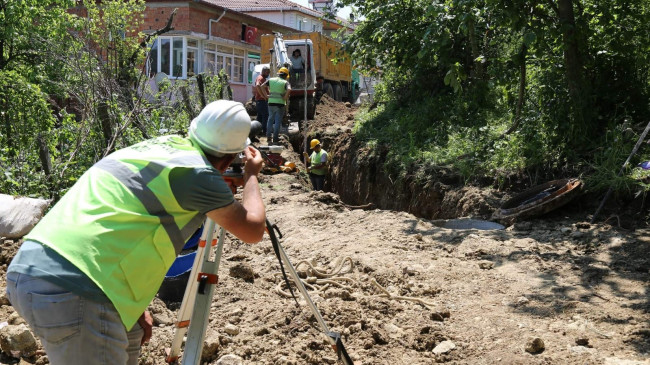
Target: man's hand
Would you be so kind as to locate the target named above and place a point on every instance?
(246, 220)
(254, 162)
(234, 183)
(146, 322)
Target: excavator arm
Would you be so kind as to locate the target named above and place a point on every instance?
(280, 57)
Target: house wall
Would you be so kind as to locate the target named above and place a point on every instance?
(278, 18)
(193, 21)
(290, 19)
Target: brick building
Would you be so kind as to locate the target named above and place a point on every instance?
(206, 38)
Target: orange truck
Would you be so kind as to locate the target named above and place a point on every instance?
(320, 73)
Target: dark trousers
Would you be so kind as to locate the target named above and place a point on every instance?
(317, 181)
(262, 107)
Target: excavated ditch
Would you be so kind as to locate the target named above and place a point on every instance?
(358, 176)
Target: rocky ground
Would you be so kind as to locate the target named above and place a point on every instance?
(402, 290)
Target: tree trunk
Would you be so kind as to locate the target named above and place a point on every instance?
(188, 103)
(104, 116)
(44, 155)
(574, 66)
(522, 90)
(478, 65)
(201, 83)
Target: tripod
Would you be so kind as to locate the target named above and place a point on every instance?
(194, 311)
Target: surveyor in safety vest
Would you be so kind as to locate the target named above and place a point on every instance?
(86, 273)
(317, 162)
(279, 90)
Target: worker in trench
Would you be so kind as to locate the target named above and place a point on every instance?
(317, 164)
(86, 273)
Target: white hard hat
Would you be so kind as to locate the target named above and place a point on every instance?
(222, 127)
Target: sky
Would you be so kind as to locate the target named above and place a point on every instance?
(343, 13)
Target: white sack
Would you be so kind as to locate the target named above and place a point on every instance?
(18, 215)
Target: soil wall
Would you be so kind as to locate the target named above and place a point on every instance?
(358, 176)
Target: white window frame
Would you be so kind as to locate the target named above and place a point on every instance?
(251, 61)
(197, 56)
(183, 58)
(220, 54)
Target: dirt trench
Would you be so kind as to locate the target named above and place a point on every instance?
(358, 176)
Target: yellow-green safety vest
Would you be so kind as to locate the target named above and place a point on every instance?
(277, 88)
(315, 159)
(120, 223)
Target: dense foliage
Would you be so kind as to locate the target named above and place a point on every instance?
(72, 90)
(497, 87)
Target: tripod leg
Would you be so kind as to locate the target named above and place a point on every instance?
(185, 311)
(333, 338)
(201, 312)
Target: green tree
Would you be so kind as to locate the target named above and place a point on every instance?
(539, 81)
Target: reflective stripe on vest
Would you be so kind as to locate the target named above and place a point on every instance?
(316, 160)
(277, 88)
(121, 225)
(137, 183)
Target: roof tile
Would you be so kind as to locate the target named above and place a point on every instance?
(248, 4)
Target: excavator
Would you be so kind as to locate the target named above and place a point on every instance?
(302, 105)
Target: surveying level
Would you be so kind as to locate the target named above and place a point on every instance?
(195, 308)
(271, 155)
(271, 149)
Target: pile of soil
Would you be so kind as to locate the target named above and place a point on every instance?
(406, 291)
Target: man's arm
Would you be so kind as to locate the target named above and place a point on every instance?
(246, 220)
(286, 94)
(261, 89)
(323, 162)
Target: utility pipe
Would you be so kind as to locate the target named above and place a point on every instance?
(215, 21)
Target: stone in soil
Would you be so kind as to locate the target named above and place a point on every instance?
(230, 359)
(231, 329)
(243, 271)
(17, 341)
(444, 347)
(486, 265)
(535, 345)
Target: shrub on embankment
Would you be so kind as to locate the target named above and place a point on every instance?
(499, 88)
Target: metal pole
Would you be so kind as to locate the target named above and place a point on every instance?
(305, 68)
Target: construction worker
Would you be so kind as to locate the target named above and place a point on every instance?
(86, 273)
(317, 164)
(261, 90)
(279, 89)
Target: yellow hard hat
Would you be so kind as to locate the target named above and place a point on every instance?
(284, 70)
(290, 165)
(314, 143)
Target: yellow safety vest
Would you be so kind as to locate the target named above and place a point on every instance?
(120, 223)
(277, 88)
(315, 159)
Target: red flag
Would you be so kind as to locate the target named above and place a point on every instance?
(251, 34)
